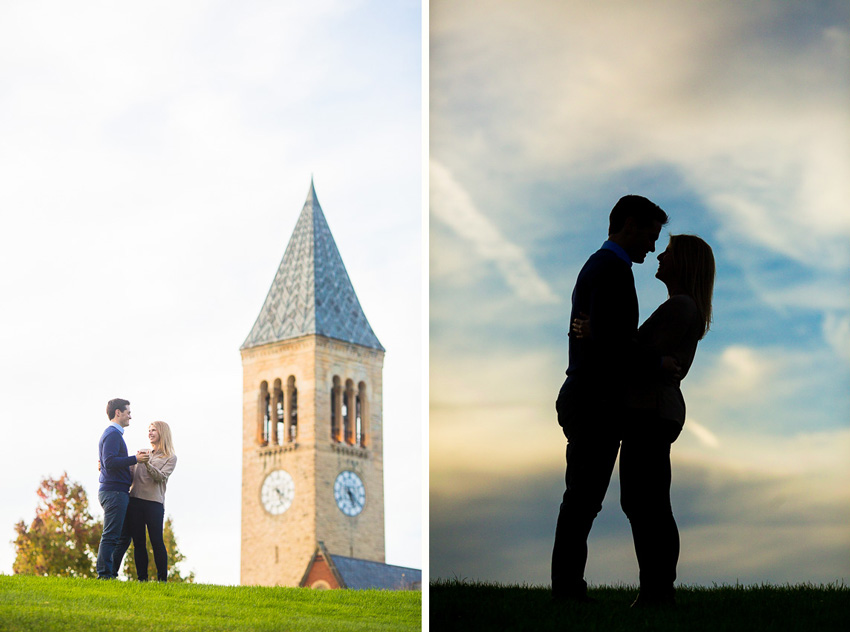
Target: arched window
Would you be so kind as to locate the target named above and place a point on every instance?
(362, 416)
(264, 414)
(358, 420)
(292, 393)
(349, 412)
(336, 410)
(278, 436)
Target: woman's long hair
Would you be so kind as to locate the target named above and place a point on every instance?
(166, 443)
(693, 262)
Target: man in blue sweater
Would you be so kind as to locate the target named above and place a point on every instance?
(115, 480)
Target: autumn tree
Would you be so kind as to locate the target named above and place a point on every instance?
(63, 538)
(174, 557)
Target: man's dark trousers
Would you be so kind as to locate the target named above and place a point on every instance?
(593, 441)
(590, 406)
(114, 510)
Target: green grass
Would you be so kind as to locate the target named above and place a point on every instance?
(459, 605)
(48, 604)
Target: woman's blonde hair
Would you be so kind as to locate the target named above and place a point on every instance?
(166, 443)
(693, 262)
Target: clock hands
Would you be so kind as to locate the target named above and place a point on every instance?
(277, 492)
(349, 493)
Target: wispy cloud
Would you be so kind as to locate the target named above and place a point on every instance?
(705, 436)
(742, 370)
(756, 126)
(836, 330)
(452, 205)
(768, 389)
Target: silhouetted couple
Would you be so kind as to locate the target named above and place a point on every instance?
(622, 395)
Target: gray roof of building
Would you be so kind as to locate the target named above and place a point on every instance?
(364, 574)
(311, 292)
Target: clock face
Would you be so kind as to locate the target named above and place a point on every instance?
(349, 493)
(277, 492)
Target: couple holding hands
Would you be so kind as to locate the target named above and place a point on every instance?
(132, 494)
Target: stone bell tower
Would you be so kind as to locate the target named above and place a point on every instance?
(312, 461)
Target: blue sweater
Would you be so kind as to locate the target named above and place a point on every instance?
(608, 361)
(115, 465)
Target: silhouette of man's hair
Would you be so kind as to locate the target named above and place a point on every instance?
(642, 210)
(115, 405)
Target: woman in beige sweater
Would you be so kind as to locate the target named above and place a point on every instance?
(147, 504)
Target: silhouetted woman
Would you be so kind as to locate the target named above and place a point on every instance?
(657, 412)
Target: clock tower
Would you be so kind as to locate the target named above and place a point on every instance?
(312, 461)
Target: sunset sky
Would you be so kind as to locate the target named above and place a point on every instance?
(735, 118)
(155, 157)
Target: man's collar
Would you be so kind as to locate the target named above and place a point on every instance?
(117, 426)
(617, 249)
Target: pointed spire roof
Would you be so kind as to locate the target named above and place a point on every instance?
(311, 292)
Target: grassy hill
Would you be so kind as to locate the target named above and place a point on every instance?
(50, 604)
(469, 607)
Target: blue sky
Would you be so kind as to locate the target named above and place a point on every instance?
(734, 118)
(155, 158)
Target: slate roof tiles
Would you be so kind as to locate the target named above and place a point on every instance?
(311, 292)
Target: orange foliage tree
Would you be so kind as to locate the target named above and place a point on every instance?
(63, 538)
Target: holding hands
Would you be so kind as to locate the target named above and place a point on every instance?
(580, 327)
(142, 456)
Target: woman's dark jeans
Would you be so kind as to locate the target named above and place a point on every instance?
(645, 478)
(142, 514)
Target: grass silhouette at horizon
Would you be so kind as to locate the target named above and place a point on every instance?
(469, 606)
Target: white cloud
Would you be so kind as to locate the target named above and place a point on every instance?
(836, 331)
(703, 434)
(497, 377)
(754, 125)
(775, 391)
(740, 373)
(453, 206)
(808, 467)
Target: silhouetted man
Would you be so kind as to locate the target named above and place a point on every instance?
(591, 403)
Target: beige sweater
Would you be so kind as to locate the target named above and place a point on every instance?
(149, 479)
(674, 329)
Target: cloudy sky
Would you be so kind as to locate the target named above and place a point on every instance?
(735, 118)
(155, 157)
